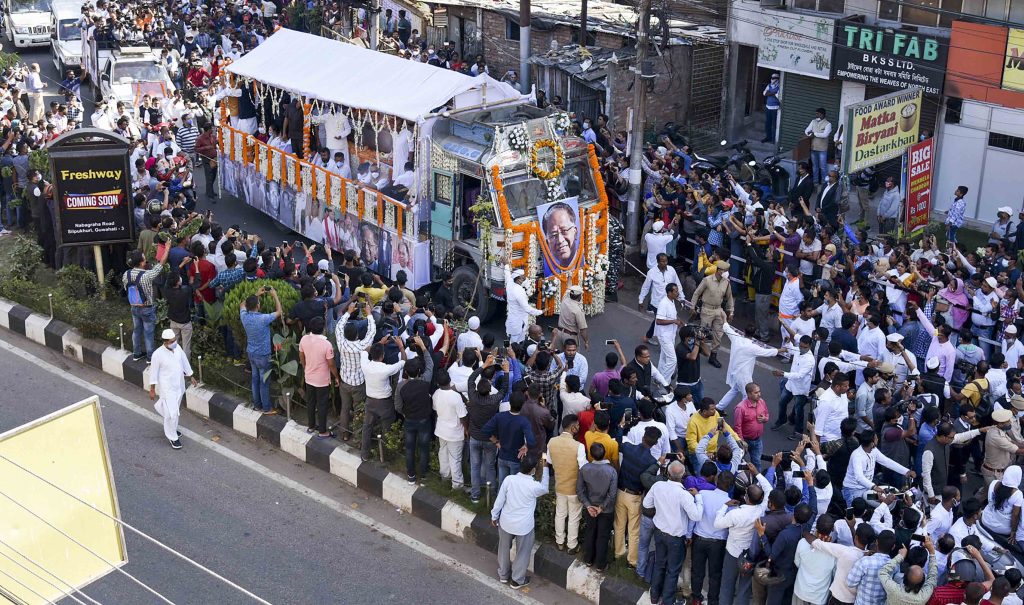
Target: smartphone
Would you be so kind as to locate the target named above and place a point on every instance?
(787, 459)
(506, 343)
(610, 342)
(628, 415)
(296, 244)
(721, 423)
(917, 537)
(849, 513)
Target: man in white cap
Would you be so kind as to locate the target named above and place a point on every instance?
(999, 448)
(658, 239)
(169, 369)
(572, 321)
(1002, 229)
(519, 307)
(901, 359)
(470, 339)
(1011, 346)
(985, 304)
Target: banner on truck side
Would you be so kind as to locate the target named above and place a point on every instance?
(881, 129)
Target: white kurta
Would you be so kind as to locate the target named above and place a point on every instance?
(168, 371)
(742, 357)
(519, 309)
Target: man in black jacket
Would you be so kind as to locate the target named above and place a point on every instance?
(804, 188)
(414, 401)
(828, 201)
(762, 259)
(483, 404)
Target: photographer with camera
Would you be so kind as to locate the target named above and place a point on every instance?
(692, 343)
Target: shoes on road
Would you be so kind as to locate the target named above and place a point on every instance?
(573, 550)
(176, 444)
(517, 585)
(179, 434)
(713, 360)
(5, 232)
(560, 547)
(410, 479)
(273, 412)
(503, 580)
(138, 357)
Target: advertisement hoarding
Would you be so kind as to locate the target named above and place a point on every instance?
(92, 190)
(919, 186)
(794, 43)
(1013, 62)
(881, 129)
(882, 56)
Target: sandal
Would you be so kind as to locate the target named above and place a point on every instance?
(311, 430)
(271, 413)
(329, 435)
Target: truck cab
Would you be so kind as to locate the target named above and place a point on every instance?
(131, 72)
(27, 22)
(466, 148)
(66, 39)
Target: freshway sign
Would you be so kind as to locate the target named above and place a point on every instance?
(885, 57)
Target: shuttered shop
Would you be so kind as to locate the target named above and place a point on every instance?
(801, 95)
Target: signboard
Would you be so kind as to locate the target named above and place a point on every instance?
(796, 43)
(919, 186)
(886, 57)
(92, 188)
(1013, 62)
(61, 511)
(881, 129)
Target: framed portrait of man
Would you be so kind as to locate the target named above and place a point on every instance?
(560, 235)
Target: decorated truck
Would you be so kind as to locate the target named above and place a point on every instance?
(455, 176)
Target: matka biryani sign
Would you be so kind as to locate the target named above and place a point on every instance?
(95, 205)
(881, 129)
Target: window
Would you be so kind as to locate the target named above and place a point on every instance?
(511, 30)
(591, 37)
(1006, 141)
(1003, 10)
(823, 6)
(921, 12)
(954, 110)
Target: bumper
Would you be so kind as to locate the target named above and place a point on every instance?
(30, 40)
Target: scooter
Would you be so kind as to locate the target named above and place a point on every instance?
(740, 163)
(778, 176)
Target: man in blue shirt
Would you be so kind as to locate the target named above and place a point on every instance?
(512, 434)
(258, 346)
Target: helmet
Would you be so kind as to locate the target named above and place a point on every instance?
(156, 206)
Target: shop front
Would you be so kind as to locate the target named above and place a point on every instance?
(981, 139)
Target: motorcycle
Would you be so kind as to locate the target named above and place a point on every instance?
(777, 176)
(741, 163)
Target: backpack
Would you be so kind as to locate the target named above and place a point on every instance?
(136, 294)
(985, 405)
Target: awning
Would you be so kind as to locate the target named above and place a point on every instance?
(338, 72)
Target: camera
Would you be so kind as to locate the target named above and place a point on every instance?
(699, 331)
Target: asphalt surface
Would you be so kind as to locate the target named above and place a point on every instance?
(286, 531)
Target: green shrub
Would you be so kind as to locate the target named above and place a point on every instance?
(22, 258)
(77, 281)
(236, 296)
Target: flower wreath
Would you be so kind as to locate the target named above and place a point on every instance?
(555, 172)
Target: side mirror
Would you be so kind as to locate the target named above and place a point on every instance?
(53, 36)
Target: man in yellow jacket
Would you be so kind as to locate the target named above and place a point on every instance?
(703, 422)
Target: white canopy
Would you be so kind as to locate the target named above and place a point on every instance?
(338, 72)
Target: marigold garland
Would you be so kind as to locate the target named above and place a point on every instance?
(555, 172)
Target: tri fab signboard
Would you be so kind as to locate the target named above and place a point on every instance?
(881, 129)
(887, 57)
(92, 188)
(919, 186)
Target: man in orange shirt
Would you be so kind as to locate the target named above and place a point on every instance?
(316, 355)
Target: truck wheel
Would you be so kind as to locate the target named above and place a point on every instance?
(464, 280)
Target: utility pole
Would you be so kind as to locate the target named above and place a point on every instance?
(374, 23)
(583, 24)
(637, 127)
(524, 46)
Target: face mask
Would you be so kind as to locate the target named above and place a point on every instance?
(375, 174)
(1005, 429)
(172, 346)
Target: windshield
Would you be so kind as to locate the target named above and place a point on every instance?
(143, 71)
(523, 195)
(67, 29)
(28, 6)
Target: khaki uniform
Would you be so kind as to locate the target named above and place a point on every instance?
(1000, 451)
(571, 322)
(715, 297)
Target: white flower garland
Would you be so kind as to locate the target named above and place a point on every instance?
(307, 180)
(550, 288)
(552, 189)
(237, 141)
(518, 138)
(262, 160)
(562, 122)
(289, 171)
(369, 206)
(336, 192)
(532, 264)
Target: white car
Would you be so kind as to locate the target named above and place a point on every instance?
(128, 76)
(27, 22)
(66, 39)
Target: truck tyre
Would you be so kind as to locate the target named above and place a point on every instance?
(464, 280)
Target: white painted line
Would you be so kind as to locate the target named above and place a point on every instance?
(113, 360)
(5, 313)
(197, 399)
(35, 328)
(487, 580)
(294, 439)
(244, 420)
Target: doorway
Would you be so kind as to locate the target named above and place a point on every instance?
(470, 191)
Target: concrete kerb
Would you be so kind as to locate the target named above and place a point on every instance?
(339, 460)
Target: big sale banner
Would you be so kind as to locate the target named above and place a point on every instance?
(919, 186)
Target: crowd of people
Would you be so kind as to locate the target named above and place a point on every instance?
(901, 393)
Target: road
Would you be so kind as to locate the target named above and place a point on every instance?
(283, 530)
